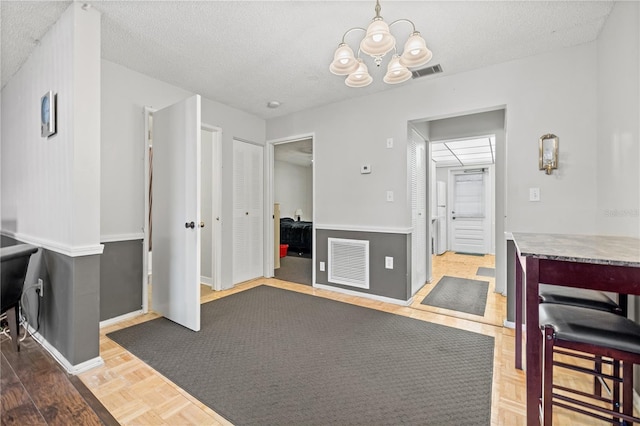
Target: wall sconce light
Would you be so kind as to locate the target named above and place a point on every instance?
(548, 153)
(298, 213)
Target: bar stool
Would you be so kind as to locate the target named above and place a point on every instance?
(591, 299)
(600, 334)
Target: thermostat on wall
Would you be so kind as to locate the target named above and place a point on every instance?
(365, 169)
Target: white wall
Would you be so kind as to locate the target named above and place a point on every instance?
(293, 189)
(51, 187)
(618, 148)
(538, 99)
(125, 93)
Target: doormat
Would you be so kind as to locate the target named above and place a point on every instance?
(486, 272)
(459, 294)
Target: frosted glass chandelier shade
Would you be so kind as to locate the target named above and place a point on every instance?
(360, 77)
(344, 62)
(378, 40)
(396, 72)
(415, 51)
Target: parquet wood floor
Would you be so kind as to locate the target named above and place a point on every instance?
(135, 394)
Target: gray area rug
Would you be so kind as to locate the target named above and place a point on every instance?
(294, 269)
(486, 272)
(267, 356)
(459, 294)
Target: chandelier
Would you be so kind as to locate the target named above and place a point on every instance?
(379, 41)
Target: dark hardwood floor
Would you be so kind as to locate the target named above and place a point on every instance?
(35, 390)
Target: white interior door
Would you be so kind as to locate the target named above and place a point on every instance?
(419, 248)
(469, 222)
(248, 210)
(176, 213)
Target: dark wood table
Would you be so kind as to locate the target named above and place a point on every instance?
(584, 261)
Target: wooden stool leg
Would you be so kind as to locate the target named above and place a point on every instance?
(12, 319)
(547, 377)
(627, 388)
(616, 388)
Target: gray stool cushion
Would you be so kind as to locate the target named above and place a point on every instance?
(577, 297)
(590, 326)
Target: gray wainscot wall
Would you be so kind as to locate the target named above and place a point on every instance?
(120, 278)
(69, 308)
(389, 283)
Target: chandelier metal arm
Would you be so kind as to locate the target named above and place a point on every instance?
(404, 20)
(350, 30)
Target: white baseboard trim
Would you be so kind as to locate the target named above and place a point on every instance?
(69, 368)
(206, 280)
(365, 295)
(120, 318)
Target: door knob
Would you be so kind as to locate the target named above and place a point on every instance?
(190, 225)
(201, 224)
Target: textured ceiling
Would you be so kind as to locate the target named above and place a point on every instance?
(244, 54)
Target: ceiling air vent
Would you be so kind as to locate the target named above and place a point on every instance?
(435, 69)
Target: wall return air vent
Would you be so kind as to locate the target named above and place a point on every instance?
(349, 262)
(423, 72)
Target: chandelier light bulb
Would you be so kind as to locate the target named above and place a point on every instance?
(396, 72)
(378, 40)
(360, 77)
(344, 62)
(415, 51)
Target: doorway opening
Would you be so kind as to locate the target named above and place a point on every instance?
(464, 213)
(465, 187)
(292, 201)
(210, 226)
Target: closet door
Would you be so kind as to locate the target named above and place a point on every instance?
(247, 211)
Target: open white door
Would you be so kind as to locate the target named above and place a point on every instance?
(176, 213)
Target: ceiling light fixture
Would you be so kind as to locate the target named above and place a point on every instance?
(377, 42)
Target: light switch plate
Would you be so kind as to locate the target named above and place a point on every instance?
(321, 266)
(388, 262)
(534, 194)
(389, 142)
(365, 169)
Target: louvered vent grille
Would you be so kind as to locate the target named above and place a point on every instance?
(349, 262)
(435, 69)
